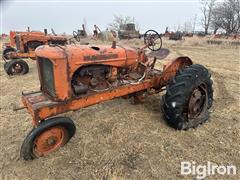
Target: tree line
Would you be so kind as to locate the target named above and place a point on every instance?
(216, 16)
(224, 15)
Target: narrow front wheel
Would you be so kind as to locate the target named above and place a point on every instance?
(16, 67)
(49, 136)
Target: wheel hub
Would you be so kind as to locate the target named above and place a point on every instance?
(198, 102)
(49, 140)
(17, 68)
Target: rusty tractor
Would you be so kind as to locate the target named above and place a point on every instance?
(128, 31)
(173, 35)
(80, 33)
(77, 76)
(96, 32)
(176, 36)
(23, 45)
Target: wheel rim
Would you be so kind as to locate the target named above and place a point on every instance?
(198, 101)
(50, 140)
(17, 68)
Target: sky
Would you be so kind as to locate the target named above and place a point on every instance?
(66, 16)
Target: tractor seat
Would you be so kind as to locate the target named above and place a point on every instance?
(160, 54)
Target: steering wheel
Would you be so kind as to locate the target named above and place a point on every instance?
(76, 35)
(153, 40)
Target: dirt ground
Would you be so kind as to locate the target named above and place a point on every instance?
(118, 140)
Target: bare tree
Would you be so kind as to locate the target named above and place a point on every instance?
(120, 20)
(207, 7)
(187, 27)
(194, 22)
(216, 22)
(230, 16)
(226, 15)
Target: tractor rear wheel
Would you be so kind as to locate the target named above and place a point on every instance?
(189, 96)
(16, 67)
(49, 136)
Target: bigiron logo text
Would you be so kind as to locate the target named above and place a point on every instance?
(202, 171)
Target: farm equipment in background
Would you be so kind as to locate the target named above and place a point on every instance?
(23, 45)
(187, 34)
(176, 36)
(173, 35)
(77, 76)
(232, 39)
(128, 31)
(97, 32)
(80, 33)
(4, 36)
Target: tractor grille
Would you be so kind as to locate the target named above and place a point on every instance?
(46, 76)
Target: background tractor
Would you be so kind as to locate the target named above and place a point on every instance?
(77, 76)
(23, 45)
(128, 31)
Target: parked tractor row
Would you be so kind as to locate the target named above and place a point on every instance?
(23, 45)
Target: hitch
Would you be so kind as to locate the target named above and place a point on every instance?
(17, 108)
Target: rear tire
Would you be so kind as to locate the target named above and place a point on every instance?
(189, 96)
(5, 65)
(16, 67)
(34, 144)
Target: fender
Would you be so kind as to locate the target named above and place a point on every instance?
(172, 67)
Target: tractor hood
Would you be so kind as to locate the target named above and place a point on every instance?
(51, 52)
(85, 52)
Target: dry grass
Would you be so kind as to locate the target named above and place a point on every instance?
(117, 140)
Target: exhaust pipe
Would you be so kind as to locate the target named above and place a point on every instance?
(114, 43)
(45, 32)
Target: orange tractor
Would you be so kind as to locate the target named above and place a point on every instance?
(77, 76)
(23, 45)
